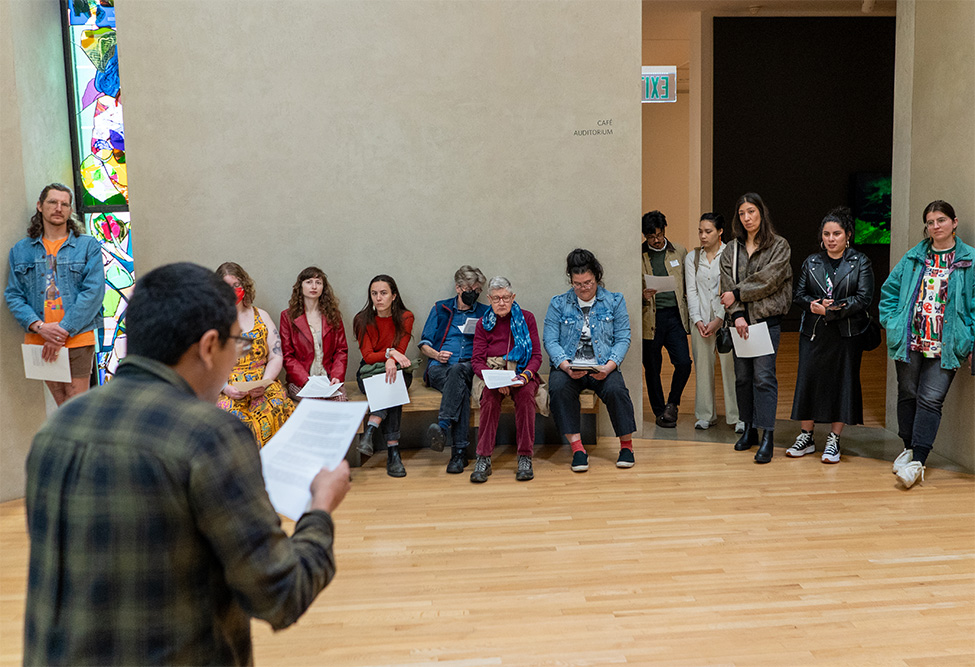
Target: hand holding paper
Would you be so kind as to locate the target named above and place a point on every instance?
(660, 283)
(383, 395)
(495, 379)
(36, 368)
(758, 343)
(319, 386)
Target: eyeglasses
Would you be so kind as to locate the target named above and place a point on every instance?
(937, 222)
(502, 299)
(244, 345)
(586, 285)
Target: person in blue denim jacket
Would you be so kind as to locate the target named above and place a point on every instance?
(586, 335)
(449, 370)
(56, 286)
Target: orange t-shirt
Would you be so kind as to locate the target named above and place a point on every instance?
(53, 308)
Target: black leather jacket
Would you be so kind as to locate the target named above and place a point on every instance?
(852, 293)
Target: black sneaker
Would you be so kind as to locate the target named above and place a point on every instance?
(625, 459)
(668, 418)
(525, 471)
(458, 461)
(482, 469)
(580, 462)
(438, 437)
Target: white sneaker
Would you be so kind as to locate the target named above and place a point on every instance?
(740, 428)
(804, 445)
(832, 452)
(910, 473)
(702, 424)
(902, 460)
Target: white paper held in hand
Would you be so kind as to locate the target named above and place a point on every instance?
(660, 283)
(495, 379)
(382, 395)
(759, 342)
(319, 386)
(469, 326)
(317, 435)
(35, 368)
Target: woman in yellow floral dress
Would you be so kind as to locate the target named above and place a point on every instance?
(263, 409)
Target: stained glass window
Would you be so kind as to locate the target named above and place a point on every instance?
(98, 138)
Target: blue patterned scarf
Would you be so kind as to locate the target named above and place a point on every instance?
(521, 353)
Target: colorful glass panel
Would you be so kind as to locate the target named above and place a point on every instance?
(101, 170)
(96, 91)
(113, 232)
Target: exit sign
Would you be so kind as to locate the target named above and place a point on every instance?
(659, 83)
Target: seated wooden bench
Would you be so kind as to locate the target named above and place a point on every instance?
(427, 399)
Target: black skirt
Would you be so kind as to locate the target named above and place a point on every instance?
(828, 382)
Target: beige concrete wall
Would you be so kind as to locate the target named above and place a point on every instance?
(34, 150)
(934, 158)
(387, 137)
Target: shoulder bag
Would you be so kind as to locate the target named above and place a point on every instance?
(722, 338)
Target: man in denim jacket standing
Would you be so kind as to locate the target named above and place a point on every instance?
(587, 334)
(56, 287)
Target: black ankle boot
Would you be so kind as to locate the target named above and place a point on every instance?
(748, 439)
(394, 464)
(366, 439)
(764, 453)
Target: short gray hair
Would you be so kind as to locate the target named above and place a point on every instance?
(498, 282)
(469, 275)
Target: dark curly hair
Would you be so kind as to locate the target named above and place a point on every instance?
(581, 261)
(328, 303)
(36, 227)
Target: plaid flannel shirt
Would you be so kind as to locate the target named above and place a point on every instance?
(152, 539)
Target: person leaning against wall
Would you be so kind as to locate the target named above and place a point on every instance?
(834, 290)
(927, 306)
(664, 319)
(702, 276)
(756, 284)
(56, 287)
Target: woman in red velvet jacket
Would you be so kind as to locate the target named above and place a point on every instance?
(312, 334)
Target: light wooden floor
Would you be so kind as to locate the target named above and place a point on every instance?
(873, 382)
(697, 556)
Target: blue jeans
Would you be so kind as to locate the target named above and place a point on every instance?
(454, 382)
(668, 333)
(563, 398)
(756, 386)
(922, 385)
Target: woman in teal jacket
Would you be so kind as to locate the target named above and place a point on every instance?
(927, 306)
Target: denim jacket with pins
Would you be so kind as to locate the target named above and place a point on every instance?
(81, 282)
(609, 325)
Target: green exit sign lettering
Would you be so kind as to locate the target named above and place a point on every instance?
(659, 83)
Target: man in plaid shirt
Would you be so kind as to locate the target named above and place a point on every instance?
(152, 539)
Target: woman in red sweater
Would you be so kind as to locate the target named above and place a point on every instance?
(312, 336)
(507, 337)
(383, 329)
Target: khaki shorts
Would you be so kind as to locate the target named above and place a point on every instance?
(80, 359)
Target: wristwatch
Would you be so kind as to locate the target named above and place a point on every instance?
(389, 352)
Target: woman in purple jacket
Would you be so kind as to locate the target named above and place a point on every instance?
(506, 338)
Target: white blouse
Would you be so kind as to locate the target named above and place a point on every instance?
(703, 281)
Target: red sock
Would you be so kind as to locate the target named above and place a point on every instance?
(577, 445)
(626, 444)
